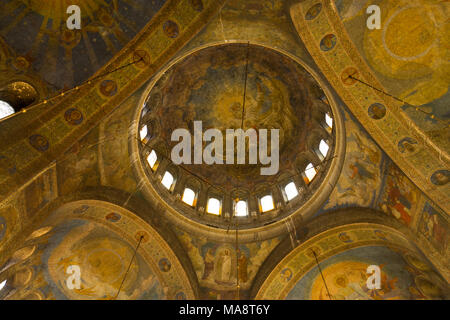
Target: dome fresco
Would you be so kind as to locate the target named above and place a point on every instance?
(224, 150)
(207, 87)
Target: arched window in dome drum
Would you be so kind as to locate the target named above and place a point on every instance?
(266, 203)
(143, 133)
(5, 109)
(329, 121)
(188, 196)
(152, 159)
(3, 284)
(213, 206)
(291, 191)
(310, 172)
(241, 208)
(323, 148)
(167, 180)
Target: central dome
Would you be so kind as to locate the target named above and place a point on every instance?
(207, 87)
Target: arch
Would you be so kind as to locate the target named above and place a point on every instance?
(107, 233)
(342, 240)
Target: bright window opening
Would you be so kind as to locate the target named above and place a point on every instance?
(267, 203)
(329, 120)
(167, 180)
(143, 132)
(2, 284)
(151, 159)
(323, 148)
(213, 206)
(5, 109)
(291, 190)
(310, 172)
(241, 209)
(188, 196)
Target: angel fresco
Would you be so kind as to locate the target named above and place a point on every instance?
(398, 204)
(399, 197)
(361, 172)
(433, 227)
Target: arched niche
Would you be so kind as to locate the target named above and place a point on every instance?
(100, 238)
(344, 252)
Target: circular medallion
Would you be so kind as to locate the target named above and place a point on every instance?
(164, 265)
(313, 11)
(113, 217)
(328, 42)
(39, 142)
(286, 274)
(407, 145)
(73, 116)
(440, 177)
(171, 29)
(108, 88)
(377, 111)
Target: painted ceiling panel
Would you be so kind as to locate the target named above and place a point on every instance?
(65, 58)
(411, 133)
(409, 56)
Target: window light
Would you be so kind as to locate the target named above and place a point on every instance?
(151, 159)
(329, 120)
(5, 109)
(188, 196)
(291, 190)
(167, 180)
(143, 132)
(213, 206)
(323, 148)
(267, 203)
(2, 284)
(241, 208)
(310, 172)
